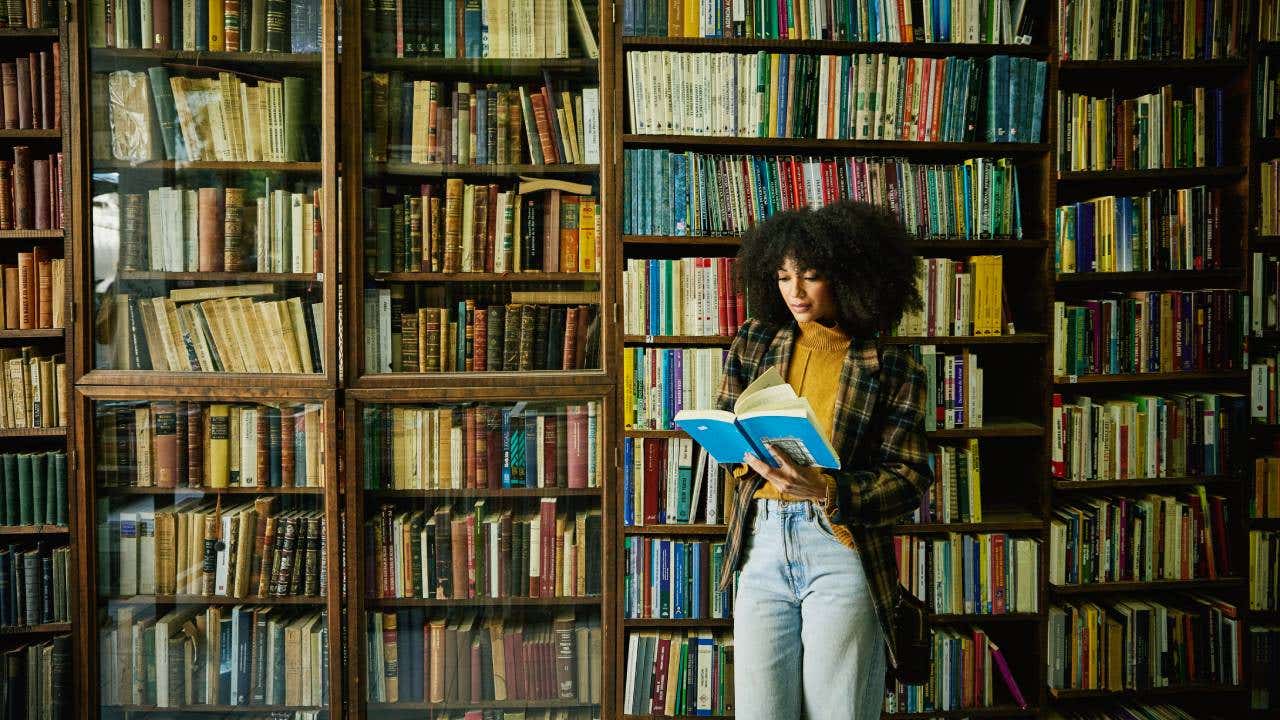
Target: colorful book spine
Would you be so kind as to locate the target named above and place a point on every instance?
(679, 673)
(1141, 233)
(688, 296)
(985, 574)
(671, 481)
(669, 578)
(658, 382)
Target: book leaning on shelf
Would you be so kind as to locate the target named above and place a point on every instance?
(216, 329)
(1004, 22)
(1147, 436)
(429, 121)
(1264, 570)
(1151, 332)
(679, 673)
(984, 574)
(769, 409)
(33, 585)
(1167, 128)
(469, 550)
(180, 444)
(1166, 229)
(153, 116)
(235, 26)
(967, 663)
(660, 382)
(453, 448)
(669, 578)
(241, 656)
(960, 298)
(36, 680)
(484, 29)
(203, 548)
(1141, 539)
(33, 292)
(468, 658)
(33, 390)
(867, 96)
(217, 229)
(540, 225)
(691, 194)
(33, 488)
(685, 296)
(1140, 644)
(671, 481)
(1153, 29)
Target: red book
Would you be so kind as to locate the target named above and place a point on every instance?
(576, 440)
(998, 571)
(469, 434)
(652, 446)
(475, 692)
(547, 569)
(480, 443)
(491, 222)
(569, 351)
(998, 658)
(550, 446)
(493, 442)
(513, 663)
(469, 527)
(160, 21)
(164, 442)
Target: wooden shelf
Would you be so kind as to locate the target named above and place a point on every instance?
(1013, 617)
(1019, 339)
(44, 629)
(1151, 65)
(374, 708)
(1189, 376)
(487, 68)
(105, 56)
(31, 334)
(106, 490)
(993, 429)
(30, 134)
(1182, 278)
(831, 147)
(495, 170)
(211, 165)
(678, 340)
(507, 378)
(654, 433)
(16, 33)
(487, 277)
(1146, 692)
(997, 711)
(1152, 586)
(921, 49)
(1022, 523)
(308, 601)
(485, 601)
(1262, 523)
(33, 432)
(1171, 174)
(918, 244)
(1138, 483)
(689, 240)
(211, 709)
(47, 234)
(675, 529)
(18, 530)
(156, 275)
(679, 623)
(520, 492)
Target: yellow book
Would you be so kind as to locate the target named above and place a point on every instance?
(628, 385)
(216, 23)
(692, 14)
(299, 331)
(216, 445)
(587, 235)
(975, 482)
(444, 466)
(771, 128)
(312, 425)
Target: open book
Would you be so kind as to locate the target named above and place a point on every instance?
(768, 411)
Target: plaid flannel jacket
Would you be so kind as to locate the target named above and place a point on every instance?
(878, 431)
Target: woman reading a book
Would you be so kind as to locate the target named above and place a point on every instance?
(818, 583)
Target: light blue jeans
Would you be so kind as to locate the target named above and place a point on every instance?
(806, 639)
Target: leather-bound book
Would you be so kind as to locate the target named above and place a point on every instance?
(511, 337)
(23, 80)
(6, 195)
(47, 82)
(195, 444)
(480, 341)
(235, 254)
(24, 211)
(288, 453)
(164, 442)
(211, 228)
(568, 359)
(9, 90)
(495, 333)
(528, 323)
(44, 292)
(26, 291)
(133, 243)
(40, 192)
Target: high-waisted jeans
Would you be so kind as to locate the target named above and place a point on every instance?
(806, 639)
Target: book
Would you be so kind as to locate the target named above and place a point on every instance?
(33, 488)
(225, 26)
(685, 296)
(956, 496)
(31, 195)
(668, 578)
(969, 670)
(1134, 233)
(671, 673)
(983, 574)
(485, 29)
(670, 481)
(768, 409)
(1166, 35)
(32, 291)
(1264, 579)
(960, 298)
(31, 395)
(1167, 128)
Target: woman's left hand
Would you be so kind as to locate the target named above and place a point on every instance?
(802, 482)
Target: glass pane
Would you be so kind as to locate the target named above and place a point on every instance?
(206, 188)
(482, 554)
(211, 556)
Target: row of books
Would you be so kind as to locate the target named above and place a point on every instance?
(433, 121)
(1264, 667)
(965, 666)
(1165, 128)
(866, 96)
(37, 680)
(1152, 29)
(468, 658)
(30, 14)
(259, 26)
(474, 551)
(1264, 502)
(982, 574)
(1266, 89)
(31, 191)
(33, 488)
(34, 391)
(215, 229)
(679, 673)
(239, 656)
(180, 444)
(671, 481)
(229, 332)
(1264, 292)
(668, 578)
(1123, 710)
(684, 296)
(1146, 436)
(1264, 391)
(474, 337)
(34, 585)
(660, 382)
(1151, 332)
(688, 193)
(489, 29)
(155, 116)
(409, 447)
(31, 90)
(482, 228)
(1132, 644)
(1165, 229)
(956, 494)
(954, 387)
(953, 21)
(1269, 197)
(1140, 539)
(198, 547)
(961, 297)
(1264, 570)
(33, 292)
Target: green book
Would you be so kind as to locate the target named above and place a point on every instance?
(384, 219)
(39, 465)
(8, 486)
(294, 121)
(56, 510)
(24, 489)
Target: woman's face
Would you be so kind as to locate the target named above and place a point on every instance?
(807, 294)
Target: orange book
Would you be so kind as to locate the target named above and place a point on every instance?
(543, 123)
(569, 205)
(26, 291)
(44, 294)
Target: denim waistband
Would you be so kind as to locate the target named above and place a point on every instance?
(770, 506)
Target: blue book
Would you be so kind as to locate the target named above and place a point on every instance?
(451, 28)
(768, 411)
(628, 481)
(506, 447)
(677, 579)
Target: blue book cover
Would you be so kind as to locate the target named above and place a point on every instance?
(482, 124)
(506, 447)
(679, 195)
(450, 28)
(531, 447)
(677, 579)
(698, 553)
(628, 482)
(473, 28)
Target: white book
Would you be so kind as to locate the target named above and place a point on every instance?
(155, 231)
(297, 225)
(128, 584)
(591, 125)
(189, 258)
(146, 552)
